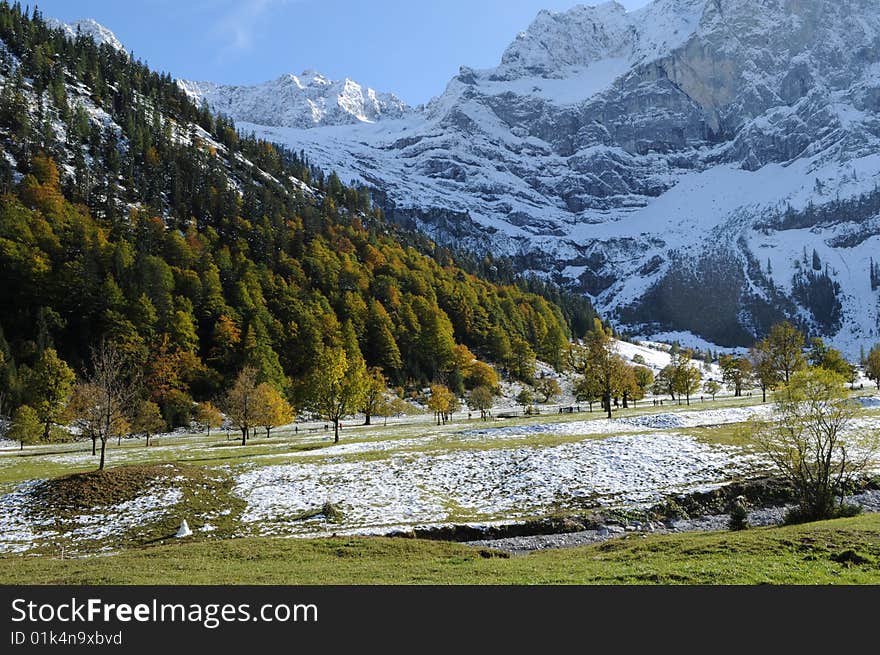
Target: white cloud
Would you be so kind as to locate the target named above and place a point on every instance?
(239, 25)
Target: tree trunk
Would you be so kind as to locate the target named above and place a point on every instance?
(336, 430)
(244, 436)
(22, 445)
(763, 394)
(688, 399)
(268, 429)
(119, 440)
(46, 431)
(367, 419)
(94, 442)
(608, 404)
(103, 448)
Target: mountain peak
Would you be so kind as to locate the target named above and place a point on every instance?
(87, 27)
(585, 34)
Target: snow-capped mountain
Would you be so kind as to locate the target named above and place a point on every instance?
(709, 166)
(299, 101)
(87, 27)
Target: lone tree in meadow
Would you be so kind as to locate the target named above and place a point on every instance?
(336, 386)
(597, 361)
(270, 408)
(26, 427)
(442, 403)
(48, 387)
(814, 441)
(737, 373)
(764, 367)
(374, 393)
(548, 388)
(712, 387)
(386, 407)
(664, 383)
(147, 420)
(525, 399)
(240, 403)
(481, 399)
(207, 416)
(686, 378)
(786, 346)
(102, 405)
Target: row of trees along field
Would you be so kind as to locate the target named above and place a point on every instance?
(131, 217)
(604, 376)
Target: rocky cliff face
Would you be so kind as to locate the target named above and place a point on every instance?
(661, 160)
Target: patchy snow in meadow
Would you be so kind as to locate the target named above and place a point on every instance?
(22, 526)
(664, 421)
(414, 489)
(17, 532)
(356, 448)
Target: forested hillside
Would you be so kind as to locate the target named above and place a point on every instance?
(130, 215)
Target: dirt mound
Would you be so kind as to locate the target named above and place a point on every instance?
(107, 487)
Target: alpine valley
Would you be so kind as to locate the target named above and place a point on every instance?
(695, 166)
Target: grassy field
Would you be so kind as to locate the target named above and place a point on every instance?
(377, 478)
(844, 551)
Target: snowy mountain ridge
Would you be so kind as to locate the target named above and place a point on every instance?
(299, 101)
(668, 162)
(87, 27)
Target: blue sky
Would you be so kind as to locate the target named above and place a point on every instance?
(409, 47)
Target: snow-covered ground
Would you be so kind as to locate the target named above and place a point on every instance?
(499, 484)
(97, 531)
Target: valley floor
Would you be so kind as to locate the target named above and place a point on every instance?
(844, 551)
(378, 481)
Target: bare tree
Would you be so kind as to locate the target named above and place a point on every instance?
(815, 443)
(241, 400)
(102, 404)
